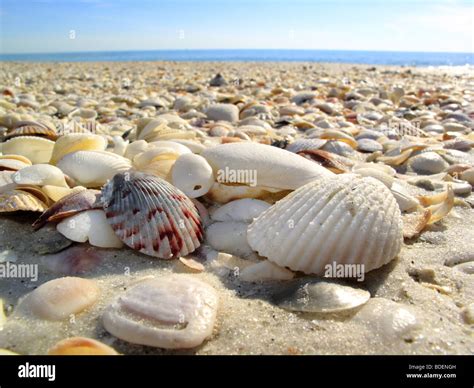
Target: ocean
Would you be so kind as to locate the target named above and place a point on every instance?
(357, 57)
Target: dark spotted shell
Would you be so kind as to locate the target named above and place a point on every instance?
(151, 216)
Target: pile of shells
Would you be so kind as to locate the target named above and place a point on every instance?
(283, 177)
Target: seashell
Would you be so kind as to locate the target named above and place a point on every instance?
(135, 148)
(339, 136)
(13, 162)
(223, 112)
(389, 320)
(36, 191)
(75, 202)
(192, 264)
(6, 352)
(36, 149)
(92, 226)
(152, 216)
(6, 181)
(467, 268)
(240, 210)
(333, 162)
(368, 145)
(55, 193)
(319, 296)
(222, 193)
(75, 260)
(93, 168)
(229, 237)
(81, 346)
(120, 145)
(171, 312)
(386, 179)
(443, 208)
(271, 166)
(59, 298)
(427, 163)
(263, 271)
(414, 223)
(194, 146)
(86, 114)
(192, 175)
(406, 202)
(174, 146)
(339, 148)
(40, 175)
(73, 142)
(158, 130)
(129, 100)
(17, 200)
(468, 176)
(305, 144)
(395, 160)
(346, 219)
(31, 128)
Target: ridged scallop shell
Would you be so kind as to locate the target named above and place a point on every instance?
(13, 162)
(305, 144)
(150, 215)
(158, 130)
(36, 149)
(31, 128)
(16, 200)
(93, 168)
(272, 166)
(72, 142)
(346, 220)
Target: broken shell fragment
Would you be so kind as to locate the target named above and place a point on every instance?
(81, 346)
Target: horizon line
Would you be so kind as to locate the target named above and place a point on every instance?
(235, 49)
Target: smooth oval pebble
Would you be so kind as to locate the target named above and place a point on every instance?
(319, 296)
(171, 312)
(229, 237)
(224, 112)
(59, 298)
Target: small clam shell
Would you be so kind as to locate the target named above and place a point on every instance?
(92, 226)
(27, 128)
(263, 271)
(73, 142)
(222, 193)
(36, 149)
(428, 163)
(345, 219)
(319, 296)
(17, 200)
(171, 312)
(240, 210)
(57, 192)
(93, 168)
(468, 176)
(40, 175)
(13, 162)
(152, 216)
(135, 148)
(178, 148)
(6, 181)
(158, 130)
(192, 175)
(270, 166)
(59, 298)
(79, 200)
(229, 237)
(81, 346)
(406, 202)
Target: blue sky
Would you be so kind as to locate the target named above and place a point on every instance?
(28, 26)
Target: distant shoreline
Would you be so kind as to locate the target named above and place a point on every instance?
(396, 58)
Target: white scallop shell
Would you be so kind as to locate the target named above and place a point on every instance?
(36, 149)
(93, 168)
(347, 220)
(92, 226)
(172, 312)
(272, 166)
(72, 142)
(192, 175)
(152, 216)
(40, 175)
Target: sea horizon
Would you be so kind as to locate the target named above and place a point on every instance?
(369, 57)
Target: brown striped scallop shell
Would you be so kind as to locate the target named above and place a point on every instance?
(32, 128)
(150, 215)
